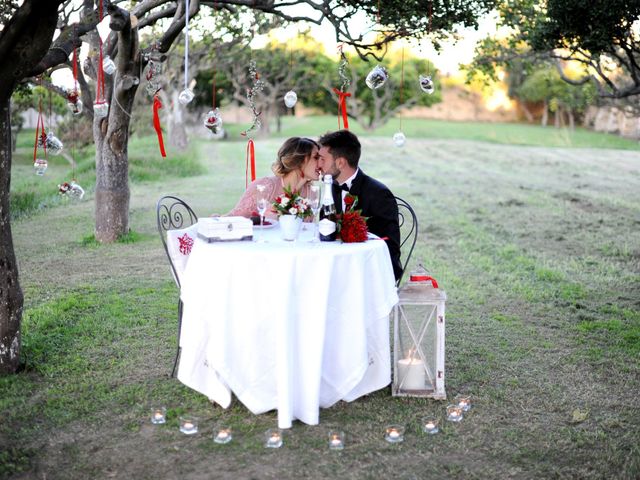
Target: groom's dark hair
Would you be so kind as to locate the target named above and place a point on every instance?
(342, 143)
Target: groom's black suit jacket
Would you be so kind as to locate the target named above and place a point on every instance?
(378, 204)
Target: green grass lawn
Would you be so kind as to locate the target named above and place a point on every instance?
(536, 243)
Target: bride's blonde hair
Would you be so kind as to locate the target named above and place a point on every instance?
(292, 155)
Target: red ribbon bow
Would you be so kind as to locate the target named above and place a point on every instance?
(251, 160)
(342, 107)
(157, 105)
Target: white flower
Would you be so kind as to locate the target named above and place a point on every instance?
(293, 210)
(284, 200)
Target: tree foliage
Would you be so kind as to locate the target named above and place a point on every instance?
(598, 35)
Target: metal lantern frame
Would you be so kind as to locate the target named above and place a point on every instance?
(422, 293)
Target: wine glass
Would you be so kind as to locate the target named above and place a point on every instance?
(314, 204)
(262, 202)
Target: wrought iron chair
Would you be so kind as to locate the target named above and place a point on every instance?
(174, 214)
(408, 221)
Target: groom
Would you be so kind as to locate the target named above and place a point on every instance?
(339, 156)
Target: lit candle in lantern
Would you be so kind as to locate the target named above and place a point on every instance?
(158, 415)
(188, 425)
(223, 436)
(394, 434)
(430, 426)
(411, 373)
(336, 440)
(454, 413)
(464, 403)
(274, 438)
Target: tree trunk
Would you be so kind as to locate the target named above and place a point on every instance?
(24, 40)
(527, 113)
(11, 300)
(545, 114)
(572, 120)
(111, 135)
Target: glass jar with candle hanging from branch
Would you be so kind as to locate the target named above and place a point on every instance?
(418, 343)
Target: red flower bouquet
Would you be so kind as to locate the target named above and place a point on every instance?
(353, 226)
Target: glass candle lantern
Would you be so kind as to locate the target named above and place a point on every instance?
(430, 425)
(158, 415)
(418, 344)
(454, 413)
(40, 166)
(223, 435)
(100, 108)
(189, 425)
(336, 440)
(394, 433)
(273, 438)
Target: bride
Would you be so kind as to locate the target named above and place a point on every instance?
(295, 167)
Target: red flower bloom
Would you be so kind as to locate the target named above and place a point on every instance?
(350, 202)
(354, 227)
(186, 242)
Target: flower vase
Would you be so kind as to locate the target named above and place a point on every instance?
(290, 226)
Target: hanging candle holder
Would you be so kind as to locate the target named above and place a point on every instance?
(186, 96)
(213, 121)
(40, 166)
(426, 84)
(73, 102)
(290, 99)
(54, 144)
(107, 65)
(377, 77)
(154, 70)
(76, 192)
(100, 108)
(399, 139)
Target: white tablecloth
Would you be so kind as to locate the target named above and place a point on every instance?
(292, 326)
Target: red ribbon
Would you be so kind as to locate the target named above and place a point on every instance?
(40, 133)
(342, 107)
(424, 278)
(251, 159)
(157, 105)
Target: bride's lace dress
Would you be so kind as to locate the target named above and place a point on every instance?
(247, 204)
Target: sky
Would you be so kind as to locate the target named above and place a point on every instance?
(447, 61)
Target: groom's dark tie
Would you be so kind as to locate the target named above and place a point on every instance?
(345, 187)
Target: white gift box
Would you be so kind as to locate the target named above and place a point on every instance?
(225, 229)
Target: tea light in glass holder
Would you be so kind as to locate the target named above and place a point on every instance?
(223, 435)
(188, 425)
(336, 440)
(394, 433)
(454, 413)
(273, 438)
(430, 425)
(158, 415)
(464, 402)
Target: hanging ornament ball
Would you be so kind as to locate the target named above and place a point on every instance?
(54, 144)
(213, 121)
(75, 107)
(290, 99)
(426, 84)
(71, 190)
(185, 96)
(399, 139)
(101, 109)
(377, 77)
(40, 166)
(76, 192)
(107, 65)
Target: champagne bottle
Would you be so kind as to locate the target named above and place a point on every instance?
(327, 227)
